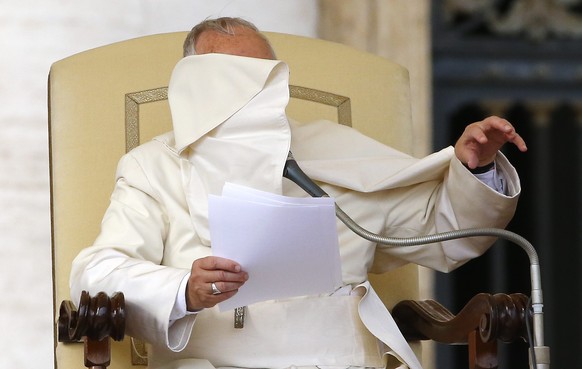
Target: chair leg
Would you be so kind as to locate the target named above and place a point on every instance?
(482, 355)
(97, 353)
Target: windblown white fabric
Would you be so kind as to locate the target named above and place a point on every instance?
(247, 145)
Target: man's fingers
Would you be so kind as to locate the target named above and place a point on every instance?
(224, 276)
(201, 294)
(470, 158)
(479, 135)
(218, 263)
(481, 131)
(518, 141)
(497, 123)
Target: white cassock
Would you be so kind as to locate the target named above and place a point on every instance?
(230, 125)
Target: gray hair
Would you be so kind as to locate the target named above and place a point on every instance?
(225, 25)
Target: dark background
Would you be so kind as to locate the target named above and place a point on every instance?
(531, 74)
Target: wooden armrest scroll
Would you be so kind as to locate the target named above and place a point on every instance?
(496, 317)
(484, 320)
(95, 321)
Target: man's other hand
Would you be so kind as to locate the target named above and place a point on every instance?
(213, 280)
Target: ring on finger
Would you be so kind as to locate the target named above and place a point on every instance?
(215, 290)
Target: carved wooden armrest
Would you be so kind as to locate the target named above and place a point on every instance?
(484, 320)
(95, 321)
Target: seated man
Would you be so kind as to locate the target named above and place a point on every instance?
(228, 97)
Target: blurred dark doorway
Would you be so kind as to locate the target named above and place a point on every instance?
(522, 60)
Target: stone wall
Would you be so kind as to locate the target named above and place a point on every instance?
(33, 34)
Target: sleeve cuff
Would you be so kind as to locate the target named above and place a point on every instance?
(180, 309)
(181, 320)
(493, 178)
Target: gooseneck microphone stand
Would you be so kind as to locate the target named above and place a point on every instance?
(539, 353)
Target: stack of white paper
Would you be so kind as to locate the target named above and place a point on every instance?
(288, 246)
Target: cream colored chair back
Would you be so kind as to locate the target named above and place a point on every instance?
(105, 101)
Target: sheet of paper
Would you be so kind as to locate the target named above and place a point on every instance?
(289, 246)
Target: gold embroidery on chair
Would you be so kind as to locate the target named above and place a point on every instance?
(342, 103)
(139, 352)
(135, 99)
(132, 103)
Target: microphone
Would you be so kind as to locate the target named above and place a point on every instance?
(294, 173)
(540, 354)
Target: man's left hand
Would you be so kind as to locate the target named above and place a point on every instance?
(480, 142)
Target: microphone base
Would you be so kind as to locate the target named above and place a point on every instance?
(542, 354)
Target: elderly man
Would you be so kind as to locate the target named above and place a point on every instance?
(228, 97)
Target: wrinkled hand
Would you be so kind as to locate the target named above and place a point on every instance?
(479, 143)
(225, 274)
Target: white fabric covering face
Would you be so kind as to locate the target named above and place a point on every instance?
(244, 138)
(229, 82)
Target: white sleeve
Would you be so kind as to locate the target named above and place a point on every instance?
(126, 256)
(460, 201)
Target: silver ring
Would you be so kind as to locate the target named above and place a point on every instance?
(215, 290)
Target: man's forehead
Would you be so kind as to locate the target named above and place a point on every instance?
(243, 42)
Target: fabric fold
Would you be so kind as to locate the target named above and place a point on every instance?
(229, 81)
(381, 324)
(243, 137)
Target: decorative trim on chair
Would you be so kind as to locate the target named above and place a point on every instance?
(132, 102)
(135, 99)
(342, 103)
(139, 352)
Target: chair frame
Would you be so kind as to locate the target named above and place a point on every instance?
(98, 320)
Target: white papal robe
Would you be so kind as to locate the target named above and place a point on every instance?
(230, 125)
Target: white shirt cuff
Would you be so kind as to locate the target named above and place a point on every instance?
(180, 309)
(493, 178)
